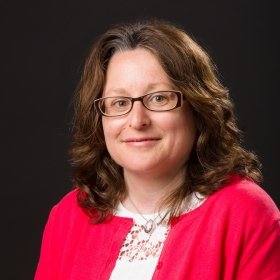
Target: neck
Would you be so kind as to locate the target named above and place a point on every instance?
(148, 193)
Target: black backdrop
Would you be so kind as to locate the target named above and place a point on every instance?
(43, 46)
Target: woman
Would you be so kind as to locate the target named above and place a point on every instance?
(164, 189)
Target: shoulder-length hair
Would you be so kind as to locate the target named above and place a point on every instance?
(217, 152)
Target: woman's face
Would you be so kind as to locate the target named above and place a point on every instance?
(143, 142)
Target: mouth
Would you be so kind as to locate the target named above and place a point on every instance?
(140, 140)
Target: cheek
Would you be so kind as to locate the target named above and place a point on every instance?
(186, 131)
(109, 136)
(107, 129)
(111, 129)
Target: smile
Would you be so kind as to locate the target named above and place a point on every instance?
(145, 142)
(137, 140)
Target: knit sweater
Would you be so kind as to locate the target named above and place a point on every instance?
(234, 234)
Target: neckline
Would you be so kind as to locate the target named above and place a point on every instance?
(122, 211)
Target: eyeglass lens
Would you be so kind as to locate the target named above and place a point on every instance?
(157, 101)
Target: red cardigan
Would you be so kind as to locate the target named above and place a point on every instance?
(234, 234)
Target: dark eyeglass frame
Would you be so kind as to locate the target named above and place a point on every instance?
(179, 95)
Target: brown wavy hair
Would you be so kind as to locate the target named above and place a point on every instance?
(217, 152)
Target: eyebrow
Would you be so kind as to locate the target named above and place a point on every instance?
(150, 88)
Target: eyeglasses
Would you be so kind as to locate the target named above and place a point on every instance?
(159, 101)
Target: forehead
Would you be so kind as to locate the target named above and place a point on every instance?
(135, 70)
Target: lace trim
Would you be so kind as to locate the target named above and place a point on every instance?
(139, 245)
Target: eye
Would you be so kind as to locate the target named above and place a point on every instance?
(119, 103)
(159, 98)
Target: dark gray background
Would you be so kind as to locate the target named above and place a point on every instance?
(43, 46)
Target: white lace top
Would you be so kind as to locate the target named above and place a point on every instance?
(140, 251)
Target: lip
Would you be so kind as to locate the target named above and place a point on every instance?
(141, 141)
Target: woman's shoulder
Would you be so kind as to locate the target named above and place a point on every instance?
(67, 207)
(245, 197)
(69, 199)
(242, 189)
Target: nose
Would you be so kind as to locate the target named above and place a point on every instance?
(139, 116)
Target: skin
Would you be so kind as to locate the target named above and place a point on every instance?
(152, 147)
